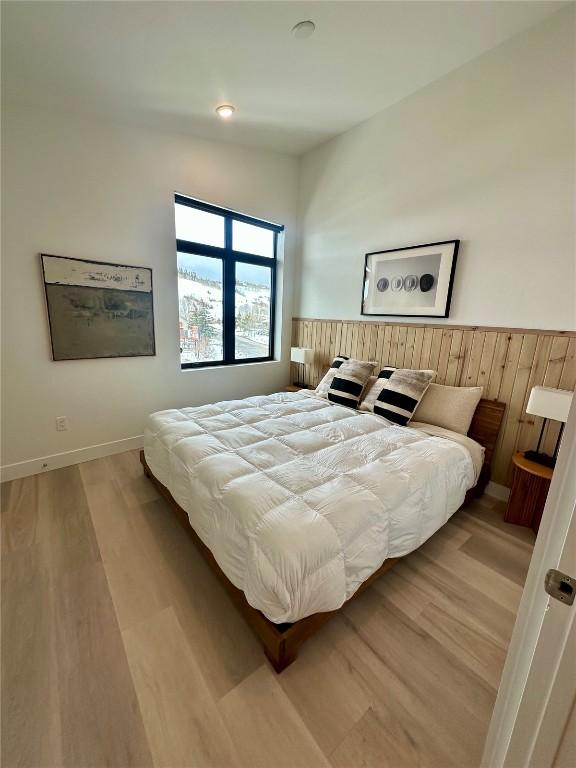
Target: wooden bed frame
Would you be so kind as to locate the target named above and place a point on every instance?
(281, 642)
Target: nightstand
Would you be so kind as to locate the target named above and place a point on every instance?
(530, 484)
(293, 388)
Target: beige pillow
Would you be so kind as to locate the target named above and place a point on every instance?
(448, 407)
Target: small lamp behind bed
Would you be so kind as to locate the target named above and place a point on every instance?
(302, 355)
(550, 404)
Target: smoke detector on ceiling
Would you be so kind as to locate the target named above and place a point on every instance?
(303, 29)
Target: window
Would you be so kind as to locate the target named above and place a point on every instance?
(226, 284)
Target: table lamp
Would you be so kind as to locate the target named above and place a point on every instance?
(302, 355)
(550, 404)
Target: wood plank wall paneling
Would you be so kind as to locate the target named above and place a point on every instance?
(507, 362)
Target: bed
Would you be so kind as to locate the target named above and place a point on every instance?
(299, 504)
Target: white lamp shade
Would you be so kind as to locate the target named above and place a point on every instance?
(550, 403)
(301, 355)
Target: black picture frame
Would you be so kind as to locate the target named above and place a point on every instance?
(448, 259)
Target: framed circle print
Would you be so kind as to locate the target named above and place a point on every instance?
(420, 278)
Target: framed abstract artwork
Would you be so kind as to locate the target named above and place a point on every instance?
(98, 309)
(415, 281)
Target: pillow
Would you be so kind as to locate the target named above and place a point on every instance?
(324, 386)
(401, 393)
(348, 384)
(449, 407)
(377, 384)
(369, 384)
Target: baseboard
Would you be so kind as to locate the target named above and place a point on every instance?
(497, 491)
(66, 459)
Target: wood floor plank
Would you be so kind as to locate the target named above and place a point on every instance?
(183, 724)
(31, 721)
(67, 532)
(458, 599)
(386, 738)
(324, 692)
(151, 564)
(510, 560)
(133, 565)
(19, 514)
(451, 743)
(223, 644)
(370, 746)
(474, 648)
(474, 573)
(68, 695)
(101, 721)
(126, 469)
(414, 655)
(479, 516)
(401, 593)
(451, 534)
(277, 735)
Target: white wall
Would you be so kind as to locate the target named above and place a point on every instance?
(74, 187)
(486, 155)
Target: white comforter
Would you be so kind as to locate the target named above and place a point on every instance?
(300, 500)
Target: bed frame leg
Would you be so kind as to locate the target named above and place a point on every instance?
(281, 656)
(144, 465)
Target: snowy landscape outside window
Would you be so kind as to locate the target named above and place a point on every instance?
(226, 284)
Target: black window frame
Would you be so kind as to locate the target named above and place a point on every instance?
(229, 258)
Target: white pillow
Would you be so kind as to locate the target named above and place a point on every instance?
(449, 407)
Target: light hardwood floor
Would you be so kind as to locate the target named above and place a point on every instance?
(121, 649)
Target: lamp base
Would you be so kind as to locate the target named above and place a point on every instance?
(540, 458)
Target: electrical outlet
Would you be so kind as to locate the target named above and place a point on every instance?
(61, 423)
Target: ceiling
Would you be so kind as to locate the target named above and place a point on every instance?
(169, 64)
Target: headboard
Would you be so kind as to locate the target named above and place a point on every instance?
(486, 424)
(485, 427)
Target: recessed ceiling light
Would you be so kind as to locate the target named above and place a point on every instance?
(303, 29)
(225, 111)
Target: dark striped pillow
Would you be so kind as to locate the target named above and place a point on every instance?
(376, 386)
(401, 394)
(324, 386)
(349, 382)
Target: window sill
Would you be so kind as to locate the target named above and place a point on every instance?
(223, 367)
